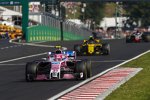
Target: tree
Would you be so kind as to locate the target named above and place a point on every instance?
(138, 11)
(93, 11)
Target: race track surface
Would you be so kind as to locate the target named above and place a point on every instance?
(12, 79)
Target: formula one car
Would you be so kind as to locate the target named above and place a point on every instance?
(58, 65)
(138, 37)
(92, 46)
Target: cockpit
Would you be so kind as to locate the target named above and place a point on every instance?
(58, 52)
(58, 57)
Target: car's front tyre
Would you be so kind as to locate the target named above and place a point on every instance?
(31, 71)
(81, 70)
(89, 69)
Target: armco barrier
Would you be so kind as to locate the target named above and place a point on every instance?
(49, 29)
(46, 33)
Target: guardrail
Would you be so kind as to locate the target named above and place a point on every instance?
(50, 30)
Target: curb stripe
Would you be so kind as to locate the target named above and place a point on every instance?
(92, 78)
(99, 89)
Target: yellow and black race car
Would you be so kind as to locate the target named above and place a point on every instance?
(92, 46)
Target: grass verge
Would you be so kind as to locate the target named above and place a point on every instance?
(138, 87)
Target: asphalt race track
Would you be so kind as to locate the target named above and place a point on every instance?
(12, 79)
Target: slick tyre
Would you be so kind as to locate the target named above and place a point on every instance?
(128, 40)
(81, 70)
(77, 49)
(31, 71)
(89, 69)
(146, 38)
(132, 38)
(106, 49)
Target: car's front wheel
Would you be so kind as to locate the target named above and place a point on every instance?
(81, 70)
(31, 71)
(89, 69)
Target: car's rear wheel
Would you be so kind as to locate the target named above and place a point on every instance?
(106, 49)
(77, 49)
(31, 71)
(146, 38)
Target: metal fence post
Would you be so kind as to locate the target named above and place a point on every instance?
(61, 30)
(25, 18)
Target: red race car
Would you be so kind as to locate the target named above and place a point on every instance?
(138, 37)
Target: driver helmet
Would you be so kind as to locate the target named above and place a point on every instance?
(91, 38)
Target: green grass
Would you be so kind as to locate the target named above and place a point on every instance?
(138, 87)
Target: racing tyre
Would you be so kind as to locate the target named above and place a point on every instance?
(128, 40)
(106, 49)
(81, 70)
(132, 38)
(31, 71)
(77, 49)
(1, 36)
(89, 69)
(146, 38)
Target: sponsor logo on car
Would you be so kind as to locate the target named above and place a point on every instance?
(55, 62)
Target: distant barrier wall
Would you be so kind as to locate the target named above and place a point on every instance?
(49, 30)
(45, 33)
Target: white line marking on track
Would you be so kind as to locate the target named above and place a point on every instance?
(10, 47)
(109, 61)
(27, 56)
(38, 45)
(11, 64)
(92, 78)
(22, 58)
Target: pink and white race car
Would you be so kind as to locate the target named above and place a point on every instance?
(58, 65)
